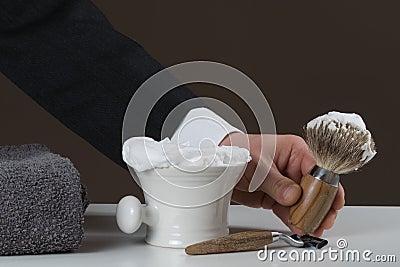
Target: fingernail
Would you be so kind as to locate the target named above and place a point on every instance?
(290, 192)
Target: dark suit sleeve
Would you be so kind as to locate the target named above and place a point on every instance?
(70, 60)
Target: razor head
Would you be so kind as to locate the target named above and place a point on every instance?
(310, 241)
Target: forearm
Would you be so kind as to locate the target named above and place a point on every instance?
(70, 60)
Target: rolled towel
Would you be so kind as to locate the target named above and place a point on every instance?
(42, 201)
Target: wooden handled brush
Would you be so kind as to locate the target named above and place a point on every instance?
(340, 143)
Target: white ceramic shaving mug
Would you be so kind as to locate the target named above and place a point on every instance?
(171, 224)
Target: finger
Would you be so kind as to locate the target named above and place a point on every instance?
(327, 223)
(243, 184)
(293, 157)
(307, 162)
(257, 171)
(284, 190)
(283, 213)
(257, 199)
(329, 220)
(253, 199)
(318, 232)
(339, 200)
(268, 202)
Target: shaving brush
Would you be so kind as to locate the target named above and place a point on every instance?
(340, 144)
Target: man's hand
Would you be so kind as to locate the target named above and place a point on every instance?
(280, 189)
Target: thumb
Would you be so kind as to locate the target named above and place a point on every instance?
(282, 189)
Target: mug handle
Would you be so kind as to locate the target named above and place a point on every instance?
(129, 214)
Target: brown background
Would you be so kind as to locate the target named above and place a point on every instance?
(308, 58)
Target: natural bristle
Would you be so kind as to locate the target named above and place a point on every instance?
(339, 149)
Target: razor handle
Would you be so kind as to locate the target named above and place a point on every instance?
(319, 188)
(243, 241)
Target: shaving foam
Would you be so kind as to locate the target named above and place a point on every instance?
(335, 120)
(144, 153)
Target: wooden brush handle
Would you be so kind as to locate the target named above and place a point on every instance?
(244, 241)
(317, 198)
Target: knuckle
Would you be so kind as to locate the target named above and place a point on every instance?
(299, 145)
(297, 139)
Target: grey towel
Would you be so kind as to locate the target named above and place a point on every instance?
(42, 201)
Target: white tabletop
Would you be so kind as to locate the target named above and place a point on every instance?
(364, 228)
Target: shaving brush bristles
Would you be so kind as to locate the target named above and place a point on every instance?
(340, 143)
(339, 148)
